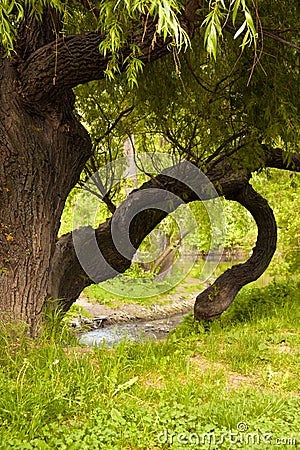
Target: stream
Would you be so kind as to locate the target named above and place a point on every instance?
(135, 331)
(143, 330)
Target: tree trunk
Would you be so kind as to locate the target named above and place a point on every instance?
(42, 155)
(212, 302)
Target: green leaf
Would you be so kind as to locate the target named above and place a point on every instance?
(126, 385)
(246, 39)
(235, 10)
(117, 416)
(250, 23)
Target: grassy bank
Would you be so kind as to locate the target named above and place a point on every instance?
(240, 375)
(133, 286)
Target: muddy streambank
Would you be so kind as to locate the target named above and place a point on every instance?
(129, 312)
(133, 321)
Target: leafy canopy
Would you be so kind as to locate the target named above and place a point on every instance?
(198, 104)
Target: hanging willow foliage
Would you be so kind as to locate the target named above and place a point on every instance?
(117, 20)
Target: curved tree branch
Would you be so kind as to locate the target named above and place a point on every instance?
(64, 64)
(69, 278)
(212, 302)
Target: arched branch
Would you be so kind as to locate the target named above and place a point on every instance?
(69, 278)
(212, 302)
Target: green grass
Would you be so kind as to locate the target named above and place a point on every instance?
(242, 370)
(106, 295)
(128, 288)
(131, 286)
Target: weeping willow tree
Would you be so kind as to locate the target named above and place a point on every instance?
(233, 72)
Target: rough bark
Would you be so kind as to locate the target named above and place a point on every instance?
(42, 157)
(75, 59)
(212, 302)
